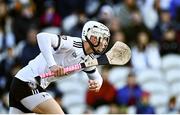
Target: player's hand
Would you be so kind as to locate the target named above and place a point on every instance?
(94, 85)
(57, 70)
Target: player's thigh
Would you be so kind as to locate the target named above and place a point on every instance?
(49, 106)
(41, 103)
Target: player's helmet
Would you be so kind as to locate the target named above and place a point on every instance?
(98, 30)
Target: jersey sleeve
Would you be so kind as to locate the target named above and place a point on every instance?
(52, 43)
(95, 75)
(46, 42)
(92, 72)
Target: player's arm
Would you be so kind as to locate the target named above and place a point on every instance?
(47, 42)
(95, 80)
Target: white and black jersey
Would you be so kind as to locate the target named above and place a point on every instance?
(56, 50)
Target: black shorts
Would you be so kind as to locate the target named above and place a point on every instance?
(19, 90)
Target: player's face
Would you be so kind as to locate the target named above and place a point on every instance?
(102, 44)
(99, 40)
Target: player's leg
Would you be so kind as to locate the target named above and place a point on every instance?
(50, 106)
(42, 103)
(29, 97)
(15, 107)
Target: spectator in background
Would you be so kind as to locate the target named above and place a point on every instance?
(114, 25)
(136, 26)
(9, 60)
(151, 18)
(50, 18)
(69, 22)
(6, 66)
(23, 20)
(4, 103)
(116, 36)
(172, 108)
(124, 12)
(164, 23)
(174, 9)
(77, 29)
(2, 80)
(143, 106)
(175, 16)
(169, 45)
(7, 39)
(105, 96)
(7, 42)
(12, 70)
(92, 7)
(145, 54)
(67, 7)
(28, 49)
(5, 80)
(130, 94)
(106, 14)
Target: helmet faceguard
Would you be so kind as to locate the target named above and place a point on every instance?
(100, 32)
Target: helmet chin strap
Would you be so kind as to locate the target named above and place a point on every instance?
(92, 46)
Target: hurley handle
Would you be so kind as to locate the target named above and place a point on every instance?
(66, 70)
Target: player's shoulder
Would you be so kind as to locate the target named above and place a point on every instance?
(74, 38)
(77, 42)
(70, 38)
(72, 41)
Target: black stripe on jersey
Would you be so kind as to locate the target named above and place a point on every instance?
(92, 56)
(59, 40)
(77, 44)
(91, 71)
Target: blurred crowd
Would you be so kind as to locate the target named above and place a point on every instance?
(150, 27)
